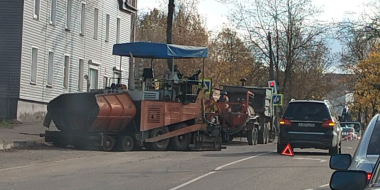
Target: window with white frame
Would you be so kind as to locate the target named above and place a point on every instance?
(118, 31)
(107, 27)
(68, 14)
(50, 69)
(116, 77)
(66, 72)
(37, 7)
(93, 74)
(53, 11)
(83, 19)
(132, 3)
(80, 75)
(96, 23)
(33, 77)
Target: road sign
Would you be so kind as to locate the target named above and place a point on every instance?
(278, 99)
(288, 151)
(208, 85)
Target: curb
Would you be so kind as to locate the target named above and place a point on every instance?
(17, 144)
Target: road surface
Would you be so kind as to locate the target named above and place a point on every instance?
(238, 167)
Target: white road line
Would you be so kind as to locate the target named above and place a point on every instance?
(242, 160)
(192, 181)
(35, 164)
(315, 159)
(325, 185)
(215, 170)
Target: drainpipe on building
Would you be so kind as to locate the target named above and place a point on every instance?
(131, 77)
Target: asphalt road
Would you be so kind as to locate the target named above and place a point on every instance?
(238, 167)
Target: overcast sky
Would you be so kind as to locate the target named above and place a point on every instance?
(215, 12)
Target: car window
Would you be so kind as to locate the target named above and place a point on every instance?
(374, 142)
(307, 111)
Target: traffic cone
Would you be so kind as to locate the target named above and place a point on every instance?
(288, 151)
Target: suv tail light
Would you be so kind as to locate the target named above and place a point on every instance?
(328, 123)
(285, 122)
(369, 175)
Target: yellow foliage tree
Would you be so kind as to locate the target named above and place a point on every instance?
(367, 88)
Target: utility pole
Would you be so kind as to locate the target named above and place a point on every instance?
(271, 75)
(169, 29)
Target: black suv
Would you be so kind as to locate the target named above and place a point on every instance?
(310, 124)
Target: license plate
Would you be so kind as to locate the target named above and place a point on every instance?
(306, 124)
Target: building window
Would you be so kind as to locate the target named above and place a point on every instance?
(34, 65)
(66, 72)
(68, 14)
(50, 69)
(53, 11)
(116, 78)
(132, 3)
(37, 6)
(83, 19)
(107, 27)
(118, 31)
(105, 82)
(96, 23)
(93, 78)
(80, 75)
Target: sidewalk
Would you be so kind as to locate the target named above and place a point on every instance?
(20, 135)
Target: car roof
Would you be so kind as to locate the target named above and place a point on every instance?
(312, 101)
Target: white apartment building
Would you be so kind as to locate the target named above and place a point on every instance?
(47, 47)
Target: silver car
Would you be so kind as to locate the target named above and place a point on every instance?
(366, 154)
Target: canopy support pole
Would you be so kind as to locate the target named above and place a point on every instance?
(131, 77)
(120, 76)
(172, 76)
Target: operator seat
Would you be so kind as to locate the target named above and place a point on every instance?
(148, 76)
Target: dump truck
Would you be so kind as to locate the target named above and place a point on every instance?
(157, 117)
(246, 112)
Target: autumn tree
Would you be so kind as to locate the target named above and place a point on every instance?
(367, 96)
(231, 60)
(359, 37)
(188, 29)
(296, 32)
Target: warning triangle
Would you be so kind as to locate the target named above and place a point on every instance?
(288, 151)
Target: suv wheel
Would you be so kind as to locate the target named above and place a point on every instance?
(280, 148)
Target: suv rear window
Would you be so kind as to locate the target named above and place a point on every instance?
(307, 111)
(374, 142)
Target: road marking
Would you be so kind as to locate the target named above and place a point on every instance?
(325, 185)
(215, 170)
(347, 147)
(35, 164)
(192, 181)
(315, 159)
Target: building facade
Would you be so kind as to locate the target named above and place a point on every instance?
(50, 47)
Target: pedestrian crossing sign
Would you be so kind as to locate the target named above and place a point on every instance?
(208, 85)
(278, 99)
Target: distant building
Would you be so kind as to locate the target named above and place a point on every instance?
(47, 47)
(341, 94)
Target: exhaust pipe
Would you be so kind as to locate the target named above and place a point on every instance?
(243, 81)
